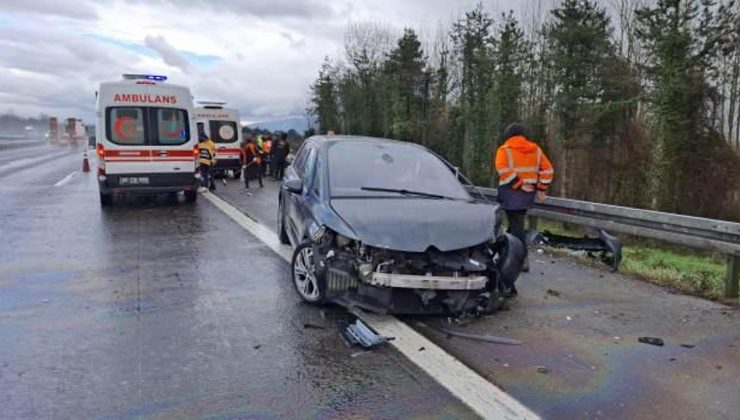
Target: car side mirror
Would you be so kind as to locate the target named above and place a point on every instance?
(294, 186)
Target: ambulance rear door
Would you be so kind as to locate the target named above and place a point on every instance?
(149, 129)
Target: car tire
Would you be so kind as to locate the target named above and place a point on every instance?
(191, 196)
(282, 233)
(305, 278)
(106, 200)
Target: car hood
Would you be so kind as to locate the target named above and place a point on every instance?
(415, 224)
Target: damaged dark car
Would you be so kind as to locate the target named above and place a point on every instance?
(390, 227)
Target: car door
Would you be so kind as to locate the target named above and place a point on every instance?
(292, 200)
(305, 203)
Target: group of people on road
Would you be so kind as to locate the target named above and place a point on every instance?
(265, 159)
(258, 159)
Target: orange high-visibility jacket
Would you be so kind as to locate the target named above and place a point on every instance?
(519, 160)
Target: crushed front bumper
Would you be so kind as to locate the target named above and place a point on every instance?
(409, 281)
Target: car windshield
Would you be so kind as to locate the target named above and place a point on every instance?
(358, 168)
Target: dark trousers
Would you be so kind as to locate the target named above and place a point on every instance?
(515, 218)
(251, 172)
(206, 177)
(279, 169)
(266, 167)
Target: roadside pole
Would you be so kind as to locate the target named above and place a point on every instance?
(732, 281)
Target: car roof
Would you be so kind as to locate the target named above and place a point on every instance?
(327, 140)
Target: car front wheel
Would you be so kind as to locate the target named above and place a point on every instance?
(305, 278)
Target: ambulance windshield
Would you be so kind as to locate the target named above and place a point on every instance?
(166, 126)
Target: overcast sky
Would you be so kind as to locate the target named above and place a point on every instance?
(259, 55)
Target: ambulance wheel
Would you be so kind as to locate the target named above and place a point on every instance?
(106, 200)
(191, 196)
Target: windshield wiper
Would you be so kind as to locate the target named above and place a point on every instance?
(406, 192)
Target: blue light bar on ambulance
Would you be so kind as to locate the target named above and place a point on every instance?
(154, 77)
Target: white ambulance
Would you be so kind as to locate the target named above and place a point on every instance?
(146, 138)
(222, 125)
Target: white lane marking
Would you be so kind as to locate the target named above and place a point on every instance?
(66, 179)
(27, 162)
(483, 397)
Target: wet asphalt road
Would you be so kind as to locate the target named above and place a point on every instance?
(156, 310)
(580, 325)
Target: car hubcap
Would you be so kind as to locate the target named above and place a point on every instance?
(304, 275)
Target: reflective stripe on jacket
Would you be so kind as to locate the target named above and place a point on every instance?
(207, 150)
(521, 161)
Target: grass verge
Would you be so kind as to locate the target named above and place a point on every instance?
(681, 269)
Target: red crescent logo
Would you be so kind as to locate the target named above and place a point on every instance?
(120, 129)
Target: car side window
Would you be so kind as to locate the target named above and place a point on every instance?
(316, 184)
(300, 159)
(309, 166)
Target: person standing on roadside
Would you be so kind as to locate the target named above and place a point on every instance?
(280, 151)
(252, 163)
(206, 160)
(525, 174)
(267, 156)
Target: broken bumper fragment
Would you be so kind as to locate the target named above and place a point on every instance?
(410, 281)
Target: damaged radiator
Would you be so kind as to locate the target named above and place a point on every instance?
(340, 281)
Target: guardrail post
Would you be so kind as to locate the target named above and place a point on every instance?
(533, 220)
(732, 281)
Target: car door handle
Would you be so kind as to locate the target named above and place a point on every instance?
(163, 153)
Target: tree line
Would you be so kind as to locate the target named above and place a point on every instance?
(637, 102)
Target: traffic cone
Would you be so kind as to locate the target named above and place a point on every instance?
(85, 163)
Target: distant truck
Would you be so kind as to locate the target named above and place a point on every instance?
(75, 131)
(52, 135)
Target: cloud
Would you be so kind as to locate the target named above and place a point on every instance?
(260, 56)
(169, 54)
(80, 10)
(258, 8)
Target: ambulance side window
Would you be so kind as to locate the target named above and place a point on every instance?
(126, 126)
(171, 128)
(223, 131)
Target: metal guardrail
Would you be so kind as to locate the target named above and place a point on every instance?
(697, 232)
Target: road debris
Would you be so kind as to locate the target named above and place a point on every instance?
(257, 346)
(481, 337)
(651, 340)
(542, 369)
(359, 333)
(46, 300)
(551, 292)
(688, 346)
(311, 326)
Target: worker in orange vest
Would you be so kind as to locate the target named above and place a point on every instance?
(251, 163)
(266, 156)
(525, 173)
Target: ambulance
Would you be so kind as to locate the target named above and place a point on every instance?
(146, 138)
(222, 125)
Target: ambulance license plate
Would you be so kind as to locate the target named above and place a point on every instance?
(133, 180)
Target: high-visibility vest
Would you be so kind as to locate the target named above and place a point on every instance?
(207, 152)
(519, 161)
